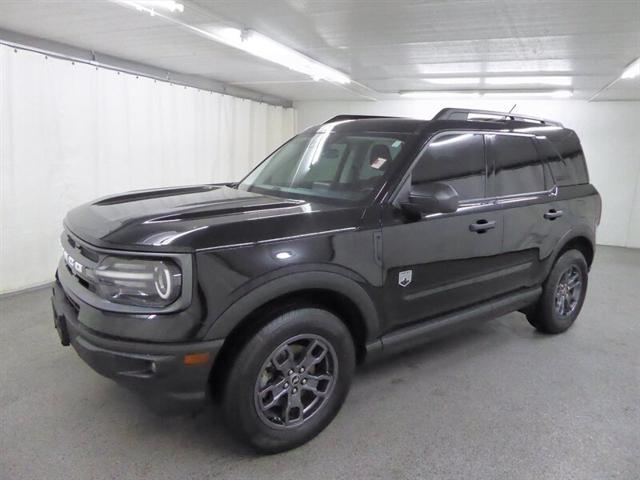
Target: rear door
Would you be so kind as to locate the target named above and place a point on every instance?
(442, 262)
(523, 189)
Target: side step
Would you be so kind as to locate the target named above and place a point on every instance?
(414, 335)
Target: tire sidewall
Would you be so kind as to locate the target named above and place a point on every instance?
(239, 402)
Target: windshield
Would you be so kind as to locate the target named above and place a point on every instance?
(343, 167)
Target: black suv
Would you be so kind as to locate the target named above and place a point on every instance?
(356, 238)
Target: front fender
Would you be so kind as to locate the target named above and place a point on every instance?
(288, 283)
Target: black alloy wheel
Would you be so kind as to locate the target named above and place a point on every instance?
(568, 291)
(563, 294)
(295, 381)
(289, 378)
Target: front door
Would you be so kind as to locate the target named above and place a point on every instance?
(442, 262)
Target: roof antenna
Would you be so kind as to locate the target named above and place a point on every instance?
(513, 108)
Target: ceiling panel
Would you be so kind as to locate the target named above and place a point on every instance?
(384, 46)
(621, 90)
(114, 30)
(584, 84)
(305, 90)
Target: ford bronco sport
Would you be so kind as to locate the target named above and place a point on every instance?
(357, 238)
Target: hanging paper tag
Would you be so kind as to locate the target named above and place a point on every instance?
(378, 163)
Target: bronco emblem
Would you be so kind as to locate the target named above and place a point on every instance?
(404, 278)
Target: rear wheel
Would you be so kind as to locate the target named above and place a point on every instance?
(289, 380)
(562, 296)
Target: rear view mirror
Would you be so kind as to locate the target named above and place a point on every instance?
(435, 197)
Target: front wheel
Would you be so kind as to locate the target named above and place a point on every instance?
(563, 294)
(289, 380)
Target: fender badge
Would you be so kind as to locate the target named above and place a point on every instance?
(404, 278)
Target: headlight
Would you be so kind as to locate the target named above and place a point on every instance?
(147, 283)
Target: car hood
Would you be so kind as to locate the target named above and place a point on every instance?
(198, 217)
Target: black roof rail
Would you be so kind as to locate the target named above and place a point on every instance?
(339, 118)
(463, 114)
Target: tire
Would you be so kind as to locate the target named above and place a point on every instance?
(261, 374)
(560, 303)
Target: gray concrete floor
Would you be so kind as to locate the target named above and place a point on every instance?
(497, 401)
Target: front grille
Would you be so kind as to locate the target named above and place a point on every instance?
(80, 253)
(85, 251)
(90, 254)
(79, 279)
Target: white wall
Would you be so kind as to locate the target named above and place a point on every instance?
(609, 131)
(71, 133)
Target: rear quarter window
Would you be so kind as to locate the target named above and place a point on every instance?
(563, 153)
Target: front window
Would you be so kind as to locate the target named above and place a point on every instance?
(328, 165)
(456, 159)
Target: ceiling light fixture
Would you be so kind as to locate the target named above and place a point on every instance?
(249, 41)
(150, 6)
(264, 47)
(453, 81)
(632, 70)
(556, 81)
(486, 93)
(438, 94)
(529, 93)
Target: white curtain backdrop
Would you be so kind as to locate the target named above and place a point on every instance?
(71, 132)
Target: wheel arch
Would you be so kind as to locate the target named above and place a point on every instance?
(345, 308)
(327, 284)
(581, 243)
(342, 296)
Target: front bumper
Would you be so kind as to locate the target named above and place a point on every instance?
(155, 370)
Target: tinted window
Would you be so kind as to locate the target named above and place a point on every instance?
(558, 167)
(518, 168)
(455, 159)
(568, 165)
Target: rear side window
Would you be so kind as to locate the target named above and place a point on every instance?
(559, 168)
(455, 159)
(567, 161)
(517, 166)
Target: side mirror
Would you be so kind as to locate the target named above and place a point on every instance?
(435, 197)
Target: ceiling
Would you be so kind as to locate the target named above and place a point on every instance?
(384, 46)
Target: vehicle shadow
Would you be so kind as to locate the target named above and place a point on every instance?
(206, 433)
(201, 432)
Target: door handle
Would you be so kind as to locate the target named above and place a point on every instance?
(553, 214)
(482, 226)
